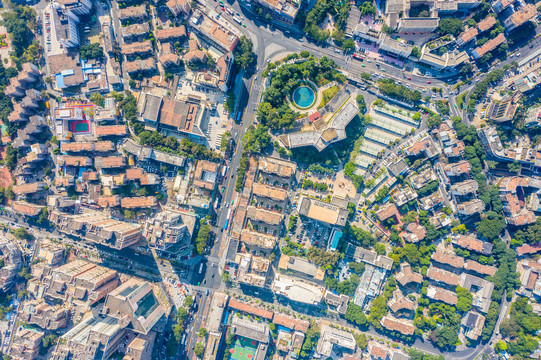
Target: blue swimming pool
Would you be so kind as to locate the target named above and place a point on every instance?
(304, 97)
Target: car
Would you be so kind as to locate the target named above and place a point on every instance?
(104, 6)
(409, 78)
(429, 82)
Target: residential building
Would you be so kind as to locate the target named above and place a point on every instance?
(214, 325)
(28, 188)
(472, 244)
(27, 209)
(111, 130)
(170, 231)
(138, 202)
(93, 338)
(338, 303)
(301, 266)
(407, 276)
(252, 270)
(439, 294)
(520, 17)
(413, 233)
(447, 258)
(253, 330)
(97, 227)
(465, 187)
(135, 31)
(132, 14)
(171, 33)
(471, 207)
(457, 169)
(473, 324)
(387, 211)
(324, 133)
(331, 338)
(25, 344)
(179, 7)
(284, 11)
(83, 282)
(403, 326)
(443, 276)
(297, 290)
(48, 317)
(213, 32)
(141, 347)
(13, 262)
(489, 46)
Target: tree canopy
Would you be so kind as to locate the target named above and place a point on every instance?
(244, 54)
(451, 26)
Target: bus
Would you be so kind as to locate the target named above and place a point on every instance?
(201, 269)
(227, 220)
(238, 116)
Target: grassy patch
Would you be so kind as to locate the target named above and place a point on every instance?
(460, 100)
(328, 94)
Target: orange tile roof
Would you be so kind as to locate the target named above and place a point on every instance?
(25, 208)
(528, 249)
(249, 309)
(443, 276)
(402, 326)
(138, 202)
(109, 201)
(445, 258)
(171, 33)
(27, 188)
(480, 268)
(111, 130)
(291, 323)
(134, 173)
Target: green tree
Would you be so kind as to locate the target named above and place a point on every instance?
(465, 298)
(355, 315)
(451, 26)
(199, 350)
(244, 54)
(91, 51)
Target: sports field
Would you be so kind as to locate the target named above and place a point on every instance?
(242, 349)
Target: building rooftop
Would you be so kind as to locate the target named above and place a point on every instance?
(489, 45)
(403, 326)
(473, 244)
(443, 276)
(138, 202)
(132, 12)
(271, 192)
(322, 211)
(301, 265)
(439, 294)
(110, 130)
(276, 166)
(480, 268)
(297, 290)
(448, 259)
(331, 337)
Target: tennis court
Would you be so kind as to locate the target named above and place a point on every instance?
(243, 349)
(80, 126)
